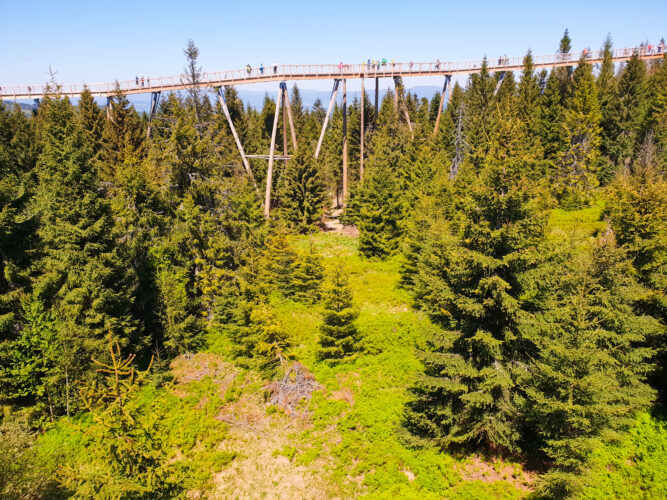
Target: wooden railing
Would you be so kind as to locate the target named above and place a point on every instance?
(321, 71)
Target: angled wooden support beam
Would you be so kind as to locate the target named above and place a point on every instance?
(155, 99)
(225, 109)
(398, 87)
(397, 84)
(269, 172)
(445, 90)
(500, 82)
(291, 120)
(283, 92)
(361, 135)
(334, 93)
(344, 141)
(377, 93)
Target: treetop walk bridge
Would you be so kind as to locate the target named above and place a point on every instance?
(339, 73)
(320, 72)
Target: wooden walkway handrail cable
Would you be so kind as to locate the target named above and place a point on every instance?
(321, 72)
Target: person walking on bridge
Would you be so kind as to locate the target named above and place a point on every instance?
(248, 69)
(136, 80)
(261, 68)
(142, 81)
(275, 67)
(340, 67)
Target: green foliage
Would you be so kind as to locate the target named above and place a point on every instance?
(92, 121)
(587, 377)
(259, 338)
(307, 277)
(577, 172)
(24, 470)
(631, 467)
(126, 459)
(301, 191)
(163, 240)
(338, 340)
(380, 214)
(280, 262)
(122, 137)
(633, 107)
(469, 282)
(79, 277)
(610, 122)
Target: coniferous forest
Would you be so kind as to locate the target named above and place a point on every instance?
(485, 320)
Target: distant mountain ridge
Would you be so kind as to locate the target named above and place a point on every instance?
(255, 98)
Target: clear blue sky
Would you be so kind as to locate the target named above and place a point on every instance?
(96, 41)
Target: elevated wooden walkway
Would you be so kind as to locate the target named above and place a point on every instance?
(320, 72)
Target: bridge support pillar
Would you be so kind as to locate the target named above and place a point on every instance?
(35, 107)
(109, 101)
(398, 88)
(377, 93)
(155, 99)
(361, 134)
(283, 91)
(443, 100)
(269, 171)
(344, 141)
(500, 82)
(223, 104)
(289, 117)
(334, 93)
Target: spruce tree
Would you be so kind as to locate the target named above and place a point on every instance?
(578, 166)
(380, 213)
(122, 138)
(301, 191)
(563, 74)
(549, 126)
(586, 380)
(258, 338)
(338, 333)
(128, 459)
(633, 107)
(469, 282)
(307, 276)
(91, 120)
(528, 92)
(656, 118)
(635, 206)
(79, 276)
(610, 122)
(478, 126)
(17, 226)
(280, 261)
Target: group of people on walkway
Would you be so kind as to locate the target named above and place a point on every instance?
(378, 63)
(141, 82)
(274, 66)
(649, 48)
